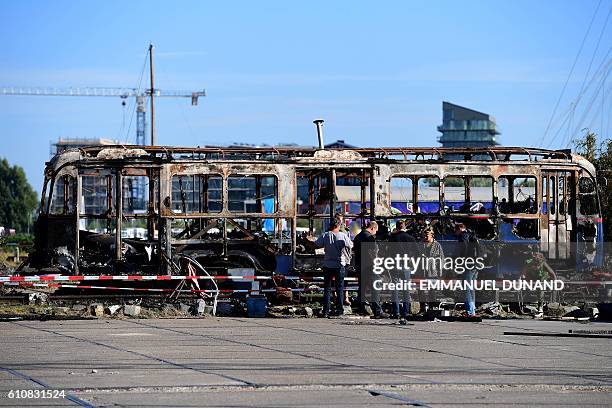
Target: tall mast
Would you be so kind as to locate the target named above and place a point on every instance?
(152, 95)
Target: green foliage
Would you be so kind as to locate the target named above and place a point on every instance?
(587, 146)
(17, 198)
(600, 154)
(453, 182)
(19, 239)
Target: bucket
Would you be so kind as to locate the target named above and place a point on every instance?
(257, 306)
(284, 263)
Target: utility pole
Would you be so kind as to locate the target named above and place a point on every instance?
(152, 95)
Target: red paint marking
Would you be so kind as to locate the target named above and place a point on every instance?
(584, 219)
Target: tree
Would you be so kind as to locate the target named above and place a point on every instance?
(601, 156)
(17, 198)
(587, 146)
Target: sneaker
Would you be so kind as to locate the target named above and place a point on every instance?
(365, 310)
(381, 315)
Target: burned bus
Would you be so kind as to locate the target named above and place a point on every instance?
(134, 209)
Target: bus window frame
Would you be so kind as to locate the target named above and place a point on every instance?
(199, 175)
(511, 193)
(258, 177)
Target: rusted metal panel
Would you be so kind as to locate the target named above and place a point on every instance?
(373, 167)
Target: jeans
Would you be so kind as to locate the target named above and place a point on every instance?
(329, 274)
(470, 295)
(405, 309)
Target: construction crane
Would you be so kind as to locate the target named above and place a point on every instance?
(123, 93)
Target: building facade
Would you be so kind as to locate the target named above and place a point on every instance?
(463, 127)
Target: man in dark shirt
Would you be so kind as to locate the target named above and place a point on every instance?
(400, 234)
(366, 250)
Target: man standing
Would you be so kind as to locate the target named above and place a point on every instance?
(337, 246)
(365, 252)
(407, 246)
(468, 248)
(340, 218)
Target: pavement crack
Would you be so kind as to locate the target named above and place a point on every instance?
(44, 385)
(115, 348)
(447, 353)
(293, 353)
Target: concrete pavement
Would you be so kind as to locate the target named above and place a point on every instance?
(303, 362)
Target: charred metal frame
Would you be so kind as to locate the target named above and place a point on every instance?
(373, 167)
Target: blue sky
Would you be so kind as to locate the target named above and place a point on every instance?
(376, 72)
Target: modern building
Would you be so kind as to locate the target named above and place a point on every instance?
(339, 144)
(463, 127)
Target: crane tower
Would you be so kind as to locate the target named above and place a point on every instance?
(123, 93)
